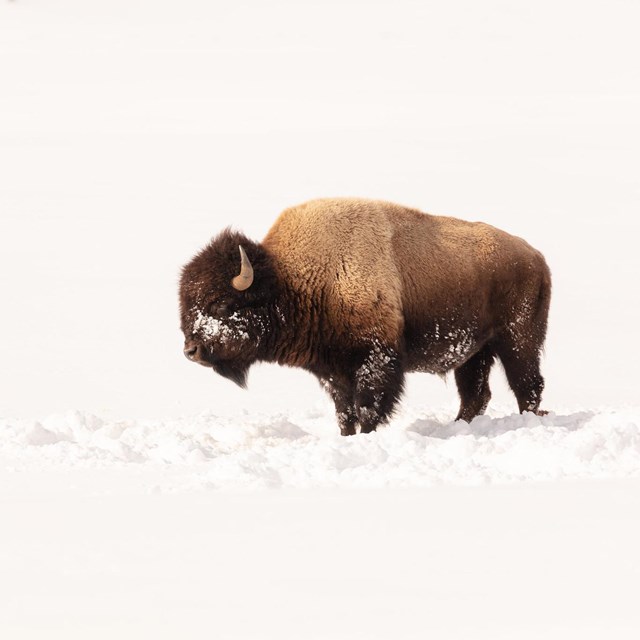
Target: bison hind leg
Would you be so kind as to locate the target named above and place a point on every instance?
(520, 357)
(472, 379)
(524, 377)
(519, 349)
(520, 344)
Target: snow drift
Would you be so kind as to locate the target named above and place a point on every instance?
(420, 448)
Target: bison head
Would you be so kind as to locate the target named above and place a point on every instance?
(225, 293)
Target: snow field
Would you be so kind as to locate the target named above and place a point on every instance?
(533, 560)
(419, 448)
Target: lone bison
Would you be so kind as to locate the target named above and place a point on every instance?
(359, 292)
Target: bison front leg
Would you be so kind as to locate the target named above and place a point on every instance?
(341, 392)
(378, 385)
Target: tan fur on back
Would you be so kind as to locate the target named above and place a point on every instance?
(342, 250)
(372, 266)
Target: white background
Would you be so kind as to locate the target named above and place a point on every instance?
(132, 131)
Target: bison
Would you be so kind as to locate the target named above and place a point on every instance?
(360, 292)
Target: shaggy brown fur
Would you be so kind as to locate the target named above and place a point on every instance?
(359, 292)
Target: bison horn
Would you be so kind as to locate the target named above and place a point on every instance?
(245, 278)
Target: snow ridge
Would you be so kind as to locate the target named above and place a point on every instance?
(271, 451)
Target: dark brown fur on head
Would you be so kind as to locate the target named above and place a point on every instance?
(207, 277)
(226, 324)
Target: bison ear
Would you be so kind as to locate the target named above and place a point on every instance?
(245, 278)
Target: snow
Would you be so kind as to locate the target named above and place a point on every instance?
(90, 553)
(273, 526)
(304, 450)
(169, 503)
(214, 329)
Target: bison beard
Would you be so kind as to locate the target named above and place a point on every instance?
(360, 292)
(234, 372)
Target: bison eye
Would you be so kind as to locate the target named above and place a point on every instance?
(217, 308)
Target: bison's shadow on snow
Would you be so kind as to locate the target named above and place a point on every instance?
(487, 427)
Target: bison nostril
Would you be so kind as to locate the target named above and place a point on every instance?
(191, 350)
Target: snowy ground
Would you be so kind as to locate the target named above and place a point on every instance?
(555, 560)
(304, 450)
(133, 130)
(234, 528)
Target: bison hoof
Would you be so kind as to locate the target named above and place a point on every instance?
(349, 430)
(369, 418)
(368, 428)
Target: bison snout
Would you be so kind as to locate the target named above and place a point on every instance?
(193, 350)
